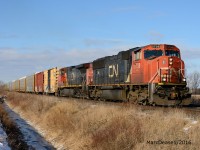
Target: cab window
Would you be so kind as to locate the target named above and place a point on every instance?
(151, 54)
(172, 53)
(137, 55)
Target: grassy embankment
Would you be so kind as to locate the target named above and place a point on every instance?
(14, 136)
(70, 124)
(196, 99)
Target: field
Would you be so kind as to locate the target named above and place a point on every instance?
(196, 99)
(78, 124)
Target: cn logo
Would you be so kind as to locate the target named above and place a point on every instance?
(113, 70)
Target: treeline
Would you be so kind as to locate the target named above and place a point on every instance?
(196, 92)
(2, 87)
(193, 82)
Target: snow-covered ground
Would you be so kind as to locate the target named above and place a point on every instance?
(33, 139)
(3, 139)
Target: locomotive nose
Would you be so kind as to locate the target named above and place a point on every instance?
(174, 62)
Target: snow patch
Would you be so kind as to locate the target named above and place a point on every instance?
(190, 125)
(3, 140)
(194, 122)
(30, 135)
(93, 106)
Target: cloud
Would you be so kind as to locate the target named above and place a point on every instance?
(15, 64)
(155, 36)
(190, 55)
(126, 9)
(116, 10)
(8, 36)
(157, 15)
(102, 42)
(190, 52)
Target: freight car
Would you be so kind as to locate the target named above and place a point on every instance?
(13, 85)
(30, 84)
(39, 82)
(50, 81)
(22, 87)
(9, 86)
(148, 75)
(17, 85)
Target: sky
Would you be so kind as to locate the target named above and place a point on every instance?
(36, 35)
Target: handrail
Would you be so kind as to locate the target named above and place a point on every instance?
(150, 84)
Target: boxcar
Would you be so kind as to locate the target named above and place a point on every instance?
(22, 84)
(30, 83)
(39, 82)
(17, 85)
(13, 85)
(9, 86)
(50, 81)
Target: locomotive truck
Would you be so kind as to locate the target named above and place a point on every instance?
(148, 75)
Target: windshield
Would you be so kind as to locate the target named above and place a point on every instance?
(172, 53)
(151, 54)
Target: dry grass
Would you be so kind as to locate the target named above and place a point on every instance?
(5, 118)
(70, 124)
(2, 88)
(196, 99)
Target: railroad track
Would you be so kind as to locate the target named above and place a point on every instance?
(194, 109)
(190, 109)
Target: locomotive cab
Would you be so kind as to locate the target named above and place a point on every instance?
(163, 72)
(163, 60)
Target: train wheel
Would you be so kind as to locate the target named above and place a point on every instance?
(144, 102)
(153, 104)
(132, 97)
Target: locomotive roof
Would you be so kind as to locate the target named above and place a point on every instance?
(135, 49)
(121, 52)
(122, 55)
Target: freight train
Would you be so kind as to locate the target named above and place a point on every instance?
(148, 75)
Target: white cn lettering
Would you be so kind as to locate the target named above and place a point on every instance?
(113, 70)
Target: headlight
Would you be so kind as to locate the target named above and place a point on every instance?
(170, 61)
(184, 79)
(164, 79)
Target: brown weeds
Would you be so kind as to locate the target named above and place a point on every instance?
(76, 124)
(15, 137)
(120, 133)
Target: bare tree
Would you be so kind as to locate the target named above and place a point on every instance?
(194, 81)
(2, 87)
